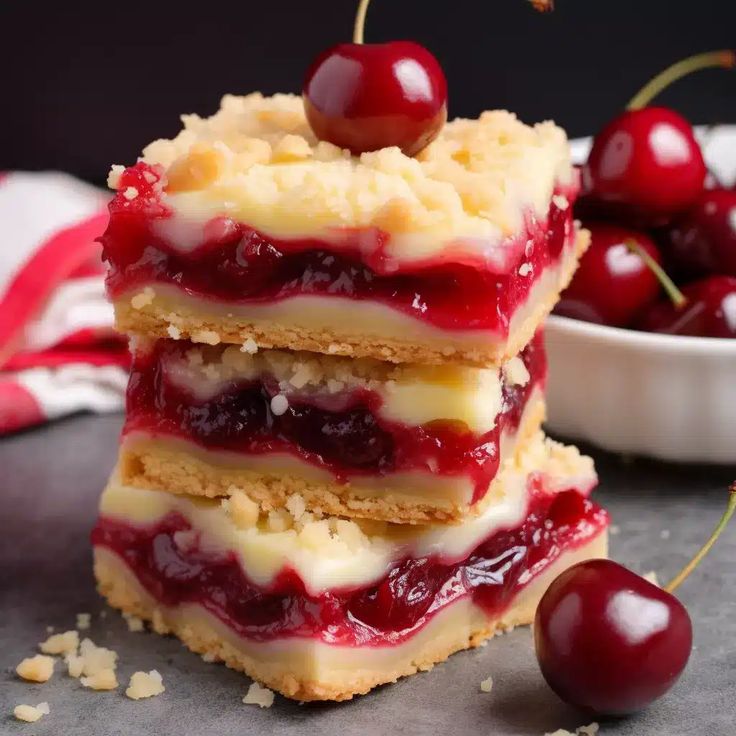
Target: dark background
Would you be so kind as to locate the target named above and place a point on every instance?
(85, 84)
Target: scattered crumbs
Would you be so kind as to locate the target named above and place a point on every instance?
(145, 685)
(103, 613)
(279, 404)
(664, 534)
(209, 657)
(83, 621)
(96, 659)
(614, 529)
(31, 713)
(525, 269)
(49, 629)
(260, 696)
(590, 730)
(651, 576)
(174, 332)
(486, 685)
(74, 665)
(101, 680)
(130, 193)
(65, 643)
(135, 624)
(249, 346)
(36, 669)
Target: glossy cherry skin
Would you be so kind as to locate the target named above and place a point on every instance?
(608, 641)
(703, 240)
(645, 165)
(710, 310)
(369, 96)
(612, 284)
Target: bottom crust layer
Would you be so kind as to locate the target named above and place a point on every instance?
(308, 669)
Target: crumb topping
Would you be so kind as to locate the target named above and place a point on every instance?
(145, 685)
(260, 696)
(36, 669)
(257, 159)
(486, 685)
(413, 394)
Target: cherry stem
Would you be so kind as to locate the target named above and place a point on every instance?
(359, 26)
(727, 514)
(677, 297)
(724, 58)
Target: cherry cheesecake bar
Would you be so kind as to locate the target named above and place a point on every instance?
(323, 608)
(245, 228)
(355, 437)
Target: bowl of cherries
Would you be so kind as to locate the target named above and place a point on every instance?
(642, 346)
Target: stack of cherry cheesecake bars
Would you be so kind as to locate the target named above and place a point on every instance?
(332, 472)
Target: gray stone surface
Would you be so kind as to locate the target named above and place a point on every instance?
(50, 480)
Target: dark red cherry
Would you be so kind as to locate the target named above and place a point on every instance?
(612, 284)
(703, 240)
(369, 96)
(608, 641)
(645, 165)
(709, 310)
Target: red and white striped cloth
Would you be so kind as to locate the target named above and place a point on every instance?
(58, 352)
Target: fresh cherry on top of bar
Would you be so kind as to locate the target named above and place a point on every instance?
(368, 96)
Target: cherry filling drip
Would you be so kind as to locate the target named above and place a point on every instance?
(386, 612)
(348, 441)
(235, 263)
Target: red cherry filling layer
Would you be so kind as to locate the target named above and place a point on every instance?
(385, 613)
(233, 263)
(348, 438)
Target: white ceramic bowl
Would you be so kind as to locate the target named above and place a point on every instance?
(664, 396)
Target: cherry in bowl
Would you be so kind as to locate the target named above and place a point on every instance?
(645, 165)
(613, 284)
(703, 240)
(708, 309)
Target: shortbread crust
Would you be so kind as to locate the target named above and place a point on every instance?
(308, 670)
(338, 326)
(178, 466)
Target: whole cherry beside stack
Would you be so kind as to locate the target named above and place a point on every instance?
(646, 180)
(610, 642)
